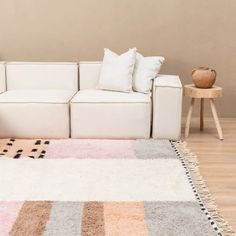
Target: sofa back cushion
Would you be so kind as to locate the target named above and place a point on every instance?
(39, 75)
(2, 77)
(89, 74)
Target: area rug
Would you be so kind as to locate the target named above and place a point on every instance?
(104, 187)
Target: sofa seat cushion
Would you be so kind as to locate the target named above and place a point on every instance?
(101, 96)
(35, 113)
(36, 96)
(108, 114)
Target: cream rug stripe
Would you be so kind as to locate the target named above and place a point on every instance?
(94, 180)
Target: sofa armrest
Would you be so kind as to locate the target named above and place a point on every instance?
(2, 77)
(167, 107)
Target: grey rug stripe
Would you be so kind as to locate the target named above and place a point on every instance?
(65, 219)
(177, 218)
(154, 149)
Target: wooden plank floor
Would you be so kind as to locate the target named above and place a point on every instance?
(217, 162)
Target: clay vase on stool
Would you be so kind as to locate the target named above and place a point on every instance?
(204, 77)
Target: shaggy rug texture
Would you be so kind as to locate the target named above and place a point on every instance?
(104, 187)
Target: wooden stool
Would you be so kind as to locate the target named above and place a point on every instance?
(191, 91)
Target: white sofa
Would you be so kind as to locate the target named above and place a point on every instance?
(41, 100)
(36, 103)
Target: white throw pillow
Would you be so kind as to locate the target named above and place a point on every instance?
(117, 71)
(146, 69)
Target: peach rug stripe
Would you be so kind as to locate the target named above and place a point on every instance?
(93, 219)
(19, 148)
(32, 219)
(40, 148)
(22, 147)
(18, 145)
(2, 144)
(8, 214)
(125, 218)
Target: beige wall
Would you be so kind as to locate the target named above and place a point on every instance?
(188, 33)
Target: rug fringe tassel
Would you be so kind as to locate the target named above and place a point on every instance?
(191, 162)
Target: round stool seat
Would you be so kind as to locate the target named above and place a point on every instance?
(191, 91)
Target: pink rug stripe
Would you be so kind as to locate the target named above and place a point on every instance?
(94, 149)
(8, 214)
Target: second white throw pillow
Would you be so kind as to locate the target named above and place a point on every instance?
(117, 70)
(146, 69)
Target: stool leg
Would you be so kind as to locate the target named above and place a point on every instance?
(189, 117)
(216, 119)
(202, 115)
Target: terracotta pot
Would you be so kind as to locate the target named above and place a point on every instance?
(204, 77)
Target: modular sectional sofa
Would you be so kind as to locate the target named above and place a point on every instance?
(61, 100)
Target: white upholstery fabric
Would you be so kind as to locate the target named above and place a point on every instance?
(101, 96)
(117, 70)
(2, 77)
(35, 113)
(36, 75)
(172, 81)
(37, 96)
(89, 73)
(167, 107)
(106, 114)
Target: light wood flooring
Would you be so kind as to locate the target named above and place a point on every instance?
(217, 161)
